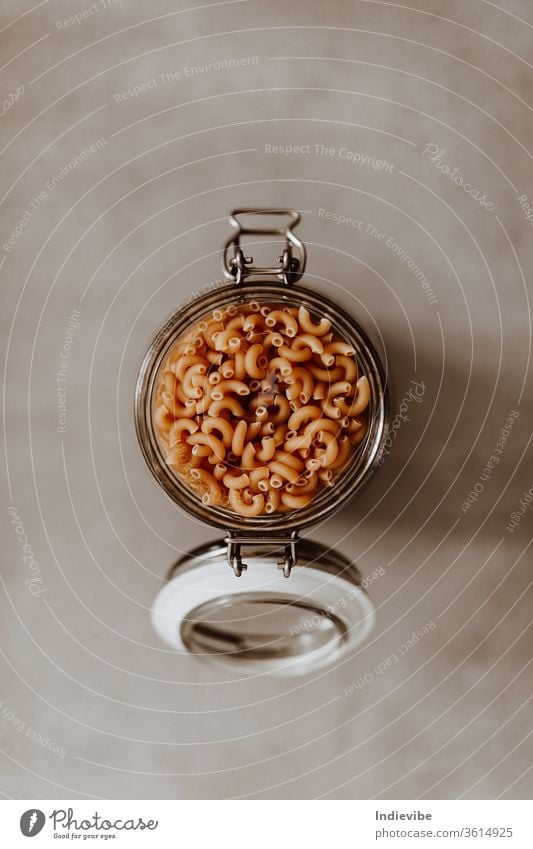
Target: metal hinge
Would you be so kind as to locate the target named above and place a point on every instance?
(289, 269)
(234, 542)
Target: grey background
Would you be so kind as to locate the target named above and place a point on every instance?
(126, 236)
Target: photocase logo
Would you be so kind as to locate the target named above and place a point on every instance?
(32, 822)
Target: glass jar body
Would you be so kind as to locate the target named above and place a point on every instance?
(361, 465)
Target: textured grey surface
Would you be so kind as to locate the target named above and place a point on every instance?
(127, 234)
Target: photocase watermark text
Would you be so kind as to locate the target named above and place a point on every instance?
(342, 602)
(9, 101)
(518, 514)
(35, 581)
(414, 394)
(62, 374)
(180, 74)
(354, 157)
(66, 820)
(203, 290)
(391, 660)
(84, 14)
(479, 487)
(41, 196)
(370, 229)
(526, 209)
(10, 716)
(435, 155)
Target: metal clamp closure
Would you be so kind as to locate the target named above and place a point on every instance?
(234, 542)
(289, 269)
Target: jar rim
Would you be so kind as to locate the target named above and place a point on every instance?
(349, 481)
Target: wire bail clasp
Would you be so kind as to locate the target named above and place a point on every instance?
(238, 266)
(234, 542)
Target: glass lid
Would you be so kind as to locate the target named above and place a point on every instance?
(263, 622)
(260, 627)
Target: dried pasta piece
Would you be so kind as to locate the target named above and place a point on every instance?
(238, 504)
(307, 325)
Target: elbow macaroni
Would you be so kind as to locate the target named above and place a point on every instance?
(259, 407)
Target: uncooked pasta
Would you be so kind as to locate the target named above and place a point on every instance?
(260, 407)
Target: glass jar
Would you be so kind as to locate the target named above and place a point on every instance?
(251, 289)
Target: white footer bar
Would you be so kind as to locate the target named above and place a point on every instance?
(268, 824)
